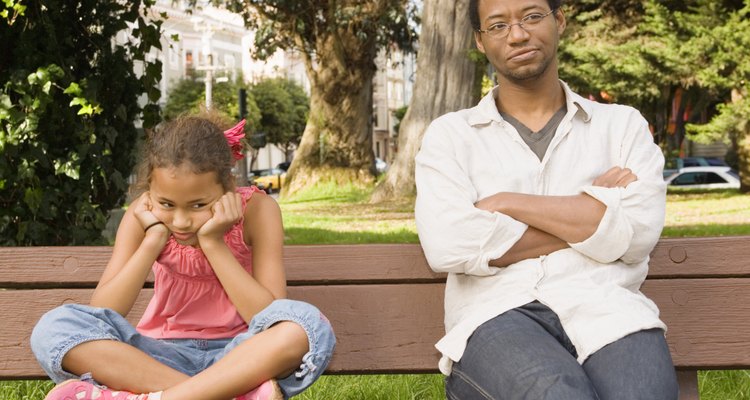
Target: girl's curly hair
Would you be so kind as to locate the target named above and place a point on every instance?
(193, 141)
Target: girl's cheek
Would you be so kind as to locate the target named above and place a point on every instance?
(203, 217)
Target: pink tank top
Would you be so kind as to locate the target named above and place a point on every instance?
(189, 301)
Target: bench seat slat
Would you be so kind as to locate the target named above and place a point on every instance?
(21, 309)
(393, 328)
(412, 313)
(707, 320)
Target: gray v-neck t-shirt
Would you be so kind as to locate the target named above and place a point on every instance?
(538, 142)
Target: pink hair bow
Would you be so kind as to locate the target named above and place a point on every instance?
(234, 135)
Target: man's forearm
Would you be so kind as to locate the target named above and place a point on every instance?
(534, 243)
(572, 219)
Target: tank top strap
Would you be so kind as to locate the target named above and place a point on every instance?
(247, 192)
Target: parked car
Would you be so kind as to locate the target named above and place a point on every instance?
(269, 180)
(684, 162)
(284, 165)
(705, 178)
(669, 172)
(674, 165)
(380, 166)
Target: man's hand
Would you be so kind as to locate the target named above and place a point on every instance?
(616, 177)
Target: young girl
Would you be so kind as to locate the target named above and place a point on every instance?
(218, 326)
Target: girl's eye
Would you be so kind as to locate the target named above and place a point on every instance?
(166, 205)
(199, 206)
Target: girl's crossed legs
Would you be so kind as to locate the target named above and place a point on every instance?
(73, 339)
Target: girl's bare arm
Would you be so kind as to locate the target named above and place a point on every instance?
(262, 229)
(132, 257)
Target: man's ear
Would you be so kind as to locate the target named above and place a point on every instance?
(561, 21)
(478, 41)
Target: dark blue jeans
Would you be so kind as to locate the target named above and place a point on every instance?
(525, 354)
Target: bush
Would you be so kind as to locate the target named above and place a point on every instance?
(68, 112)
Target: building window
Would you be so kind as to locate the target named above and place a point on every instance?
(189, 65)
(375, 119)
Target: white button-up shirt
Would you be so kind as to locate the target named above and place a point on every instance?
(593, 286)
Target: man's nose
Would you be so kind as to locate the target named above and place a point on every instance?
(517, 33)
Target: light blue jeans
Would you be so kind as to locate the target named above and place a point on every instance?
(525, 354)
(67, 326)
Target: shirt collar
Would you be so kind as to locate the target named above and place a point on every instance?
(486, 111)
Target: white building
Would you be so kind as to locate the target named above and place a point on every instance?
(392, 89)
(207, 38)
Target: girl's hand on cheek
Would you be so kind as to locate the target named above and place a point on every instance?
(143, 210)
(227, 211)
(146, 217)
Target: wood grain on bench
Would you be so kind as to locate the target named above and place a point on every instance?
(386, 304)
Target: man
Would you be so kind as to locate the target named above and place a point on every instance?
(543, 208)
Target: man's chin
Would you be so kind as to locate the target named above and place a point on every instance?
(527, 73)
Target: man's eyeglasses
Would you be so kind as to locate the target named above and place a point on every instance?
(528, 23)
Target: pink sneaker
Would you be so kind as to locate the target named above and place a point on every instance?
(268, 390)
(79, 390)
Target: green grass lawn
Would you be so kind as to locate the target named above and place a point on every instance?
(332, 215)
(347, 218)
(696, 213)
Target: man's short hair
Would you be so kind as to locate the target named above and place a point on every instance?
(474, 11)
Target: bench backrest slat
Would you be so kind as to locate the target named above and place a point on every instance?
(28, 267)
(701, 257)
(381, 263)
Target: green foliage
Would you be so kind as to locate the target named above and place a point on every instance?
(399, 115)
(685, 65)
(189, 96)
(185, 96)
(725, 71)
(12, 10)
(284, 107)
(68, 106)
(626, 53)
(304, 25)
(627, 59)
(731, 120)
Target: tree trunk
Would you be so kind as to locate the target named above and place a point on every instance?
(337, 142)
(743, 144)
(445, 82)
(743, 161)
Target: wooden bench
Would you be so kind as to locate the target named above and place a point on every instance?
(386, 305)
